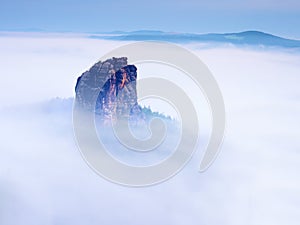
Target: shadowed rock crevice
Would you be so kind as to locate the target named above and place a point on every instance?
(118, 97)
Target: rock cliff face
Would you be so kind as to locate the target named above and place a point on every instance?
(112, 86)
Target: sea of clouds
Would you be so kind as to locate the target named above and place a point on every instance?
(44, 179)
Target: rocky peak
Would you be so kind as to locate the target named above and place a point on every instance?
(112, 85)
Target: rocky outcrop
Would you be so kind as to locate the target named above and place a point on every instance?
(109, 89)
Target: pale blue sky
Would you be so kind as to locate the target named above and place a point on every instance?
(277, 17)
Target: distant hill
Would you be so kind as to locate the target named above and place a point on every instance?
(242, 38)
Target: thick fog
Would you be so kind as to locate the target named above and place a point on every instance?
(44, 179)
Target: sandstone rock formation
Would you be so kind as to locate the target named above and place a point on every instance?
(109, 89)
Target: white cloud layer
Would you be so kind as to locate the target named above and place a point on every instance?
(44, 180)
